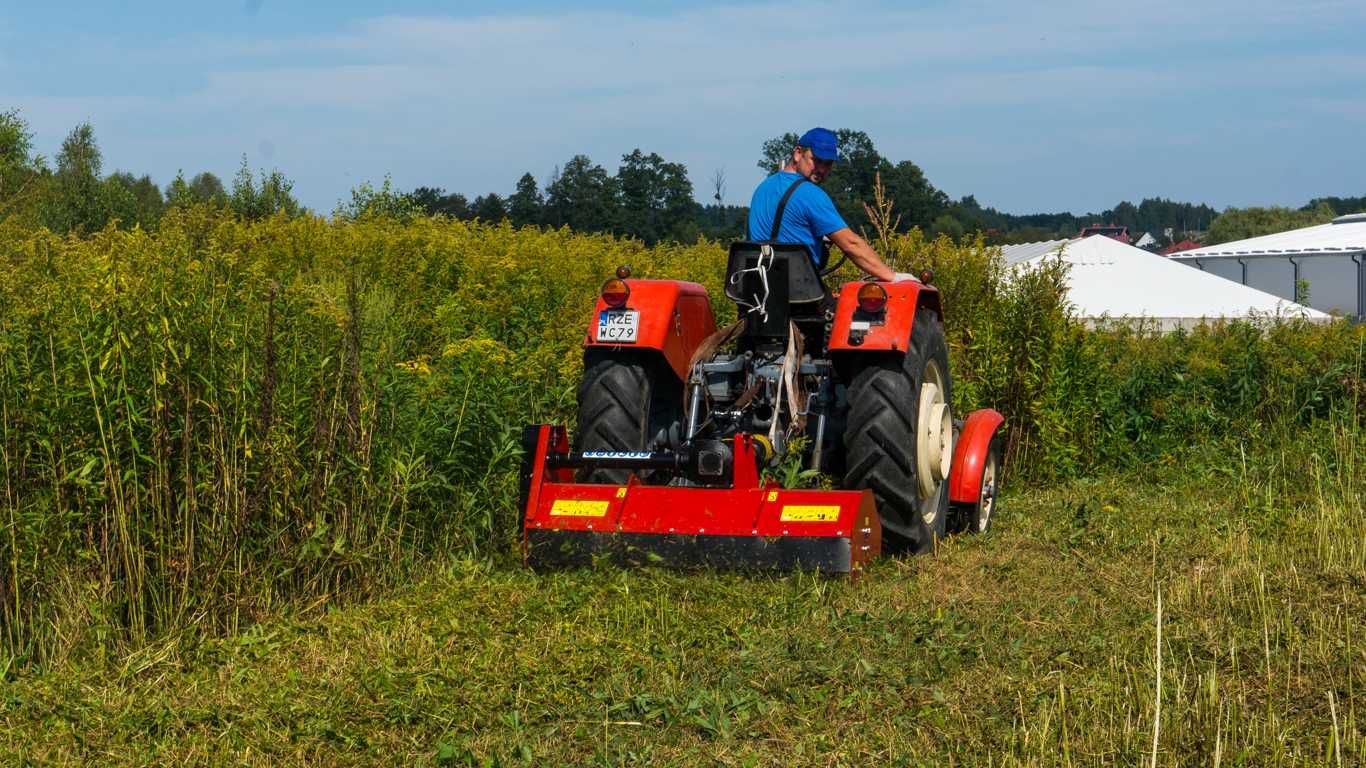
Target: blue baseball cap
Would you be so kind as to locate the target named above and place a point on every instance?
(824, 145)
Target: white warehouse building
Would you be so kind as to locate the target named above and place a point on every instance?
(1329, 258)
(1110, 280)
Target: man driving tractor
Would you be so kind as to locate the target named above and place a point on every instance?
(786, 209)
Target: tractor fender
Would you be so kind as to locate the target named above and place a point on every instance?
(887, 331)
(970, 455)
(675, 317)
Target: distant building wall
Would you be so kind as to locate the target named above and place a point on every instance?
(1332, 283)
(1335, 280)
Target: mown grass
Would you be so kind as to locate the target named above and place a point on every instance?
(1034, 645)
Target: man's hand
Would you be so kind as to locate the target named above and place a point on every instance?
(904, 277)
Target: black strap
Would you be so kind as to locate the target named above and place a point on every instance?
(782, 206)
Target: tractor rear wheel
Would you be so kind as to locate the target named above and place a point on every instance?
(627, 402)
(899, 438)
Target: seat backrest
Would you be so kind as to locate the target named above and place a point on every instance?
(803, 283)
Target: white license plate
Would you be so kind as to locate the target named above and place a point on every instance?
(618, 326)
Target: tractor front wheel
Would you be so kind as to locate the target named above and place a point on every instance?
(976, 517)
(627, 402)
(899, 438)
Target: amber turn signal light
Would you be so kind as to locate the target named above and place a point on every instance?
(615, 292)
(872, 297)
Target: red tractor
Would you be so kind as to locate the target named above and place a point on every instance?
(682, 428)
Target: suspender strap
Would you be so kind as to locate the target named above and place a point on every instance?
(782, 206)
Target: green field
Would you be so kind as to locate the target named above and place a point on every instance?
(1033, 645)
(257, 485)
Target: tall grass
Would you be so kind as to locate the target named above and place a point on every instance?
(200, 424)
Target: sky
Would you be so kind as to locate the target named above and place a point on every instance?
(1041, 106)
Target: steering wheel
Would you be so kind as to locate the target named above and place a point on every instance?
(831, 270)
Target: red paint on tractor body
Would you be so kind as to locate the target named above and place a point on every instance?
(675, 317)
(970, 455)
(885, 331)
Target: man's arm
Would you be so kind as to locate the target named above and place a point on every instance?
(863, 255)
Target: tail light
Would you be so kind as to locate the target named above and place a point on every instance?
(872, 298)
(615, 292)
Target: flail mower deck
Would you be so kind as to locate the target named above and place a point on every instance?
(748, 525)
(678, 421)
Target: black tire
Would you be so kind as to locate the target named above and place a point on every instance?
(978, 516)
(627, 402)
(880, 439)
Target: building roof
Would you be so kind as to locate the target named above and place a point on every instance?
(1110, 279)
(1184, 245)
(1025, 251)
(1346, 234)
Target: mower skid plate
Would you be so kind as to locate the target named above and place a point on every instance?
(754, 528)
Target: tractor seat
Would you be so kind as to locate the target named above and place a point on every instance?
(803, 283)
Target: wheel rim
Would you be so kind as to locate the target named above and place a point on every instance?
(987, 500)
(934, 441)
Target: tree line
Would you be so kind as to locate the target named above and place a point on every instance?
(647, 197)
(73, 195)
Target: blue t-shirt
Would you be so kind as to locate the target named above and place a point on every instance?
(809, 216)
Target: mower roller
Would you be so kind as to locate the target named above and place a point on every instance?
(684, 430)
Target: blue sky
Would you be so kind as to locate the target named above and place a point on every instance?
(1029, 106)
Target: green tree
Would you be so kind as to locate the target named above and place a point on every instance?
(776, 151)
(178, 192)
(490, 208)
(134, 201)
(205, 187)
(525, 206)
(656, 199)
(253, 200)
(21, 173)
(1242, 223)
(917, 200)
(208, 188)
(1156, 214)
(582, 196)
(77, 201)
(435, 202)
(385, 202)
(944, 224)
(1342, 206)
(16, 142)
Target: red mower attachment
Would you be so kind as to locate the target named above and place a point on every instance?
(748, 525)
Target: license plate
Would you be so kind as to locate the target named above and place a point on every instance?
(618, 326)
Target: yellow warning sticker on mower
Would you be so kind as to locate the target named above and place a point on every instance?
(576, 508)
(810, 514)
